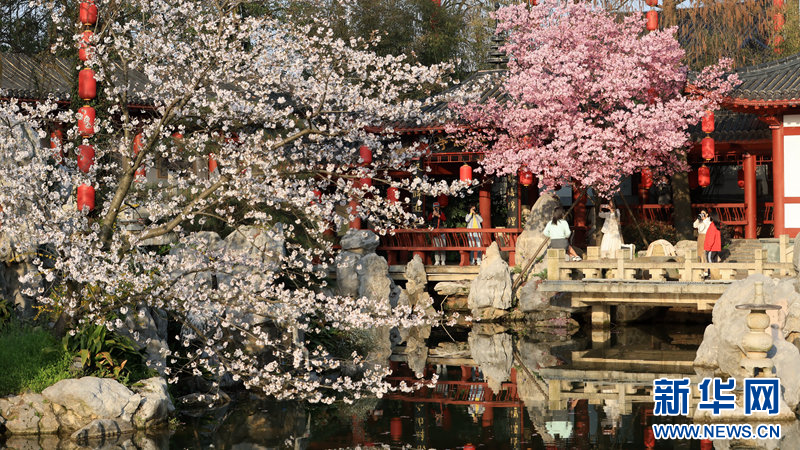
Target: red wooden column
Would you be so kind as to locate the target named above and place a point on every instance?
(579, 217)
(777, 178)
(485, 205)
(749, 167)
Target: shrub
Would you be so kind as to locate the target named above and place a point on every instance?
(653, 231)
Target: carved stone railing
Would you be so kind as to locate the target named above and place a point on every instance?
(689, 269)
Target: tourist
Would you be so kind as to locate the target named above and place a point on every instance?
(663, 191)
(474, 220)
(436, 220)
(558, 231)
(612, 240)
(713, 240)
(701, 224)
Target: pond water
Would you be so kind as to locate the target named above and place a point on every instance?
(497, 389)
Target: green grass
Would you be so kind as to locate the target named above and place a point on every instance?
(31, 359)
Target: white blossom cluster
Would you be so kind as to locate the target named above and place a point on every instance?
(283, 109)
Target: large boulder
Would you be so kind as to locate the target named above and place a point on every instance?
(720, 352)
(530, 298)
(492, 287)
(27, 414)
(90, 397)
(494, 354)
(360, 241)
(147, 329)
(682, 248)
(260, 249)
(531, 237)
(156, 406)
(661, 247)
(373, 278)
(196, 252)
(346, 273)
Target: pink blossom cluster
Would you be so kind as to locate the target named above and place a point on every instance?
(590, 98)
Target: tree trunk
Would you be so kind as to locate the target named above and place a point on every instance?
(682, 205)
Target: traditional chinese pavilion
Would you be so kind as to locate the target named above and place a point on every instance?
(757, 137)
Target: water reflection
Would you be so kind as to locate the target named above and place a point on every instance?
(497, 389)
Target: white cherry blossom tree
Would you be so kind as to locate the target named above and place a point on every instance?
(282, 110)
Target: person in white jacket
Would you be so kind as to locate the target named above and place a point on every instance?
(474, 220)
(558, 231)
(702, 223)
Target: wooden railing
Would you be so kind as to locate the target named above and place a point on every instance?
(623, 269)
(463, 240)
(729, 213)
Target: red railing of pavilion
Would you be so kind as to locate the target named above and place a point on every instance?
(463, 240)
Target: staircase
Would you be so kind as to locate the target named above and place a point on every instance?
(742, 250)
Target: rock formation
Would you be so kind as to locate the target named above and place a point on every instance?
(721, 351)
(86, 406)
(532, 237)
(491, 289)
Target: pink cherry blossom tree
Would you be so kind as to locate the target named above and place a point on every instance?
(282, 110)
(590, 98)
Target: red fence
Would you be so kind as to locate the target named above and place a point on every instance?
(463, 240)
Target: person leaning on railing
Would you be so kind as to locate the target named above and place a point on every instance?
(474, 220)
(558, 231)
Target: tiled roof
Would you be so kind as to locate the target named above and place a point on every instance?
(733, 126)
(775, 80)
(30, 77)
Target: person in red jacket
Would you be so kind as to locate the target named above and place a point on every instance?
(713, 243)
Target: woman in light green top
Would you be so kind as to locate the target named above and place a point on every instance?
(558, 231)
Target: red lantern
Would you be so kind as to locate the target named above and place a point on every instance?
(137, 147)
(708, 122)
(706, 444)
(740, 178)
(469, 447)
(693, 180)
(87, 85)
(647, 178)
(85, 158)
(778, 3)
(533, 2)
(779, 21)
(651, 3)
(777, 41)
(88, 13)
(443, 200)
(56, 143)
(212, 163)
(317, 196)
(85, 197)
(86, 118)
(652, 20)
(465, 173)
(85, 49)
(364, 183)
(393, 194)
(707, 146)
(366, 155)
(525, 177)
(703, 176)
